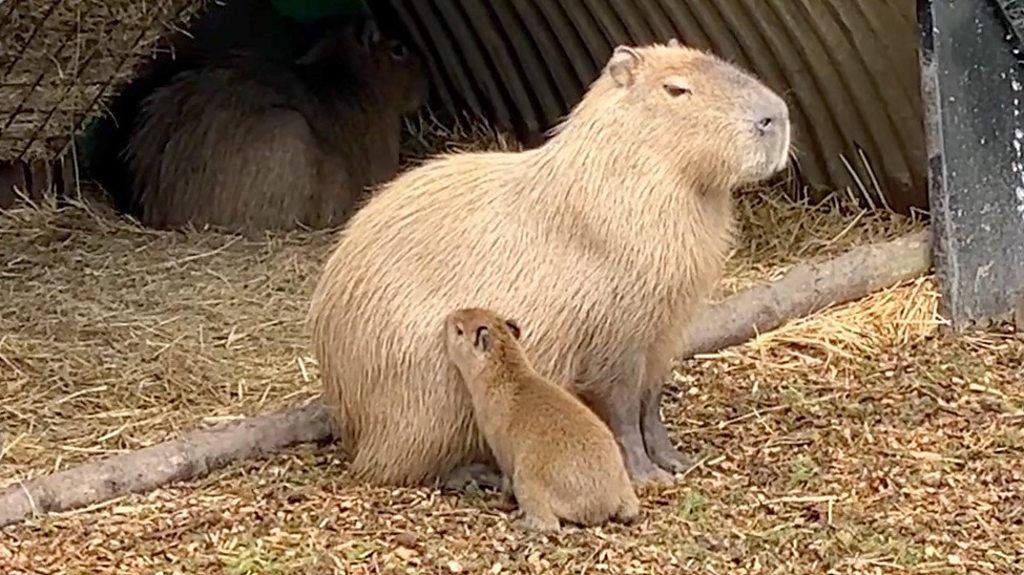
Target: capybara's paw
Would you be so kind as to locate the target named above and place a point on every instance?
(533, 523)
(650, 476)
(670, 459)
(629, 511)
(480, 474)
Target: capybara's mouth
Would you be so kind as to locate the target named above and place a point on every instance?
(777, 153)
(785, 152)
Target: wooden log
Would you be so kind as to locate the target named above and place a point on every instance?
(193, 455)
(806, 289)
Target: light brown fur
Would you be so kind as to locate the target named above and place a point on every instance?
(247, 144)
(603, 240)
(561, 460)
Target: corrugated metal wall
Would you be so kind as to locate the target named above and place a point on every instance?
(848, 68)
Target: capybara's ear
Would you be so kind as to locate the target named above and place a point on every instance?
(483, 339)
(673, 43)
(623, 65)
(319, 50)
(370, 34)
(514, 328)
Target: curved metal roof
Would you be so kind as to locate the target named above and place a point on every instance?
(849, 69)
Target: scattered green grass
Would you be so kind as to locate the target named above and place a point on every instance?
(802, 471)
(693, 505)
(254, 560)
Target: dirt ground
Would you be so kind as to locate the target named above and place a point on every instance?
(861, 440)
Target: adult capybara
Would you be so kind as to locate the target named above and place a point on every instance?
(255, 27)
(603, 241)
(559, 459)
(246, 143)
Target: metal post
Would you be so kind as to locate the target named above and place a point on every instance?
(973, 89)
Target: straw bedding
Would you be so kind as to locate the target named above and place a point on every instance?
(63, 59)
(859, 440)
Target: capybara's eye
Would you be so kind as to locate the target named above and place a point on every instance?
(399, 51)
(675, 90)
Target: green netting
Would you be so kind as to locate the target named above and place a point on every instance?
(312, 10)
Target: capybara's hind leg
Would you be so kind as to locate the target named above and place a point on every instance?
(656, 439)
(482, 474)
(619, 407)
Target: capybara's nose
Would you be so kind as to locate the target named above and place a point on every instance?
(773, 116)
(772, 122)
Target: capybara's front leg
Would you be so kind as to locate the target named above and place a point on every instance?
(629, 509)
(656, 438)
(619, 406)
(538, 515)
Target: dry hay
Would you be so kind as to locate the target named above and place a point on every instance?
(62, 59)
(426, 135)
(856, 441)
(132, 334)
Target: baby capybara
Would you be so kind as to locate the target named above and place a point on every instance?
(559, 458)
